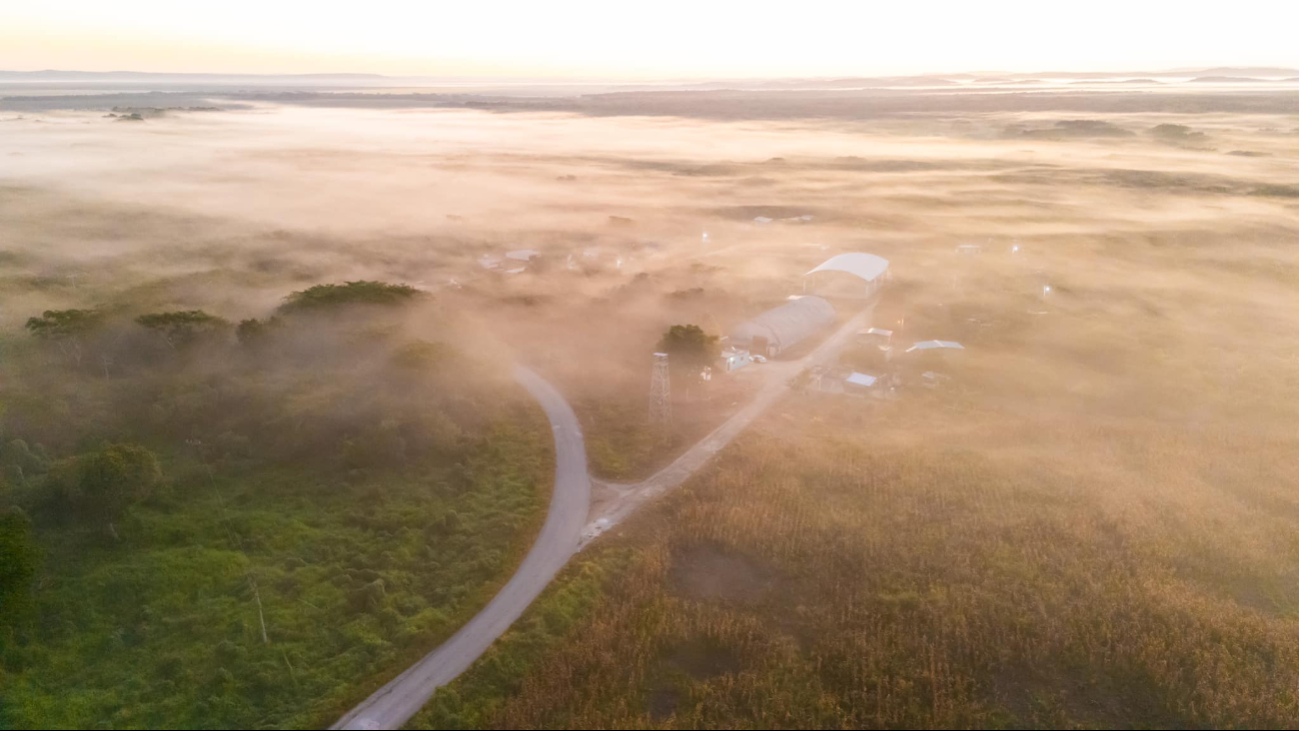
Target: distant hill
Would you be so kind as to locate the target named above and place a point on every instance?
(1226, 80)
(1246, 71)
(1118, 81)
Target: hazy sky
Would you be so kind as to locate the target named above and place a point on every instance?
(665, 38)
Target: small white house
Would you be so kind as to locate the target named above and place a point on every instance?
(860, 381)
(734, 359)
(936, 345)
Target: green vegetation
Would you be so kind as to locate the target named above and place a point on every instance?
(253, 332)
(19, 561)
(690, 349)
(68, 328)
(57, 324)
(108, 481)
(351, 293)
(256, 538)
(180, 329)
(477, 696)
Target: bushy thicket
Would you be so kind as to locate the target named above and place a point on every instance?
(251, 526)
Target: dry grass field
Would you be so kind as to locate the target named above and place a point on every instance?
(1092, 524)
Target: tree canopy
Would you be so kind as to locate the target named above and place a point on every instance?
(58, 324)
(689, 348)
(360, 292)
(116, 477)
(253, 332)
(183, 326)
(68, 328)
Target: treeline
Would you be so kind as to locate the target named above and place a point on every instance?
(336, 381)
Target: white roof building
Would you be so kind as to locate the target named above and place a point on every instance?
(782, 328)
(861, 379)
(936, 345)
(523, 254)
(868, 270)
(867, 267)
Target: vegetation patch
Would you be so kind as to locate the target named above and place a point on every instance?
(704, 573)
(204, 531)
(324, 296)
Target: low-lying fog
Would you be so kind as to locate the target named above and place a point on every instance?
(228, 210)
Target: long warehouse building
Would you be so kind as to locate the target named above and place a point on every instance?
(780, 329)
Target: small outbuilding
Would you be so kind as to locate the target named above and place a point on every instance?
(936, 345)
(733, 359)
(860, 380)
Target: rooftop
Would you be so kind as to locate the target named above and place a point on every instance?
(861, 265)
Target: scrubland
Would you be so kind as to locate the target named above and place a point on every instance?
(1091, 524)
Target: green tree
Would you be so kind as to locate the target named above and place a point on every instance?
(350, 293)
(689, 348)
(183, 327)
(114, 478)
(20, 559)
(68, 328)
(254, 333)
(18, 461)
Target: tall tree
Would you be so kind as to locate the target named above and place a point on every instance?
(114, 478)
(68, 328)
(183, 327)
(690, 350)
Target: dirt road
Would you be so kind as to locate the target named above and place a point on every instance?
(393, 705)
(566, 531)
(626, 498)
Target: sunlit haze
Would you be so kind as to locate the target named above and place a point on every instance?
(665, 365)
(584, 39)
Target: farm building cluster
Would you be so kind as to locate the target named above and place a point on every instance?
(843, 278)
(846, 276)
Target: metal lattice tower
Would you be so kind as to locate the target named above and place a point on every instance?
(660, 398)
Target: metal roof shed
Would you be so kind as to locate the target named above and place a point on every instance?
(869, 269)
(782, 328)
(861, 379)
(936, 345)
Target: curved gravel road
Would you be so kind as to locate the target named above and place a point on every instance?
(565, 531)
(393, 705)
